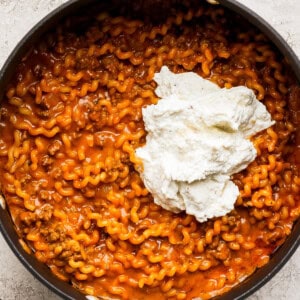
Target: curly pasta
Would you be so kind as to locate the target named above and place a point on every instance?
(70, 124)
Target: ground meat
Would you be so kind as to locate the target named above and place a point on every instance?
(54, 147)
(55, 173)
(28, 218)
(46, 161)
(44, 195)
(44, 212)
(89, 62)
(54, 234)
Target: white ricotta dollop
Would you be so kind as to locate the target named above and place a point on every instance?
(198, 135)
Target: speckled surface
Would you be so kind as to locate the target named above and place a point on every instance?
(16, 18)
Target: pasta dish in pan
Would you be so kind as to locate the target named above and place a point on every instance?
(71, 121)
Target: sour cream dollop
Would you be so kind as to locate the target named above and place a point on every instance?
(198, 136)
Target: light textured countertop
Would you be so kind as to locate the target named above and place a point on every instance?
(16, 18)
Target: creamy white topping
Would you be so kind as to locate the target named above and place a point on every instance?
(198, 135)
